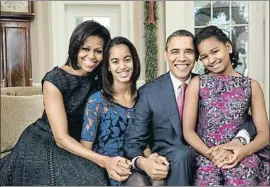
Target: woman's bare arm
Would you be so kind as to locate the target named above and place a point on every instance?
(56, 113)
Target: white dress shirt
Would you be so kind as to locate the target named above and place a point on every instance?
(177, 83)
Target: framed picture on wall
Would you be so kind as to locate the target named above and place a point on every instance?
(17, 9)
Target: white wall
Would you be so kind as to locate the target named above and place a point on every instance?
(178, 15)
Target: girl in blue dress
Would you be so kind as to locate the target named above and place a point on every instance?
(108, 112)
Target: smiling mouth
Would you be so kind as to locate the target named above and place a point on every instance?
(123, 74)
(90, 63)
(181, 66)
(216, 65)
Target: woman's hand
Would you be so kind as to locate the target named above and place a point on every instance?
(118, 168)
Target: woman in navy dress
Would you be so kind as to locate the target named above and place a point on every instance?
(109, 111)
(48, 151)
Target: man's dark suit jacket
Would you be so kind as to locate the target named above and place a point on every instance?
(156, 120)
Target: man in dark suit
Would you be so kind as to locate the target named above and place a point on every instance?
(157, 119)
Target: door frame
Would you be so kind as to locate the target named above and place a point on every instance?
(57, 18)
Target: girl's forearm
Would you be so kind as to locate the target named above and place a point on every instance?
(195, 141)
(70, 144)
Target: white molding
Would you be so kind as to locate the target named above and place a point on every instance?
(41, 41)
(94, 2)
(58, 28)
(256, 52)
(125, 19)
(36, 84)
(161, 32)
(140, 40)
(130, 21)
(266, 34)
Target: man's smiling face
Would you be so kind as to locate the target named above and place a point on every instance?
(180, 55)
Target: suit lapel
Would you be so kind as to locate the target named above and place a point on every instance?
(167, 97)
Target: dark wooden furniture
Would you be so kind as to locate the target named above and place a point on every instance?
(16, 68)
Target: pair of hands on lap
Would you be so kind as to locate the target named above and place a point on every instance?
(156, 166)
(225, 156)
(228, 155)
(118, 168)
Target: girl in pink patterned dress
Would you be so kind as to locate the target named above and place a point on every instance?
(223, 98)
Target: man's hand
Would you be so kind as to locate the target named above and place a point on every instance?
(159, 159)
(155, 166)
(118, 168)
(239, 153)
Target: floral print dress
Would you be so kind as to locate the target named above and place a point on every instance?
(105, 124)
(223, 107)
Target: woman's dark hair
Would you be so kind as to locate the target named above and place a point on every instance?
(107, 78)
(78, 37)
(214, 31)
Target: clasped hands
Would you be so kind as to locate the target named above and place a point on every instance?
(118, 168)
(156, 166)
(227, 156)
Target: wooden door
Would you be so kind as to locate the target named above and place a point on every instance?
(16, 67)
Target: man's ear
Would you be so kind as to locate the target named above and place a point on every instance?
(165, 56)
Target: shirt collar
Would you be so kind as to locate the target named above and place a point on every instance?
(176, 82)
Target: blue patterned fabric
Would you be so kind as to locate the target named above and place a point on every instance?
(105, 124)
